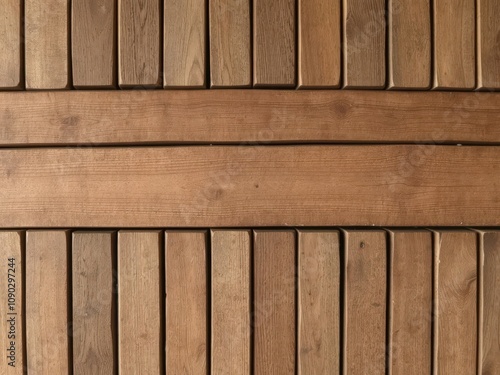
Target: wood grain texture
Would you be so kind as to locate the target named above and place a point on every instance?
(12, 300)
(230, 43)
(93, 29)
(274, 43)
(488, 40)
(186, 285)
(47, 44)
(489, 361)
(231, 265)
(454, 46)
(139, 303)
(222, 186)
(11, 63)
(139, 48)
(409, 44)
(319, 43)
(94, 305)
(365, 295)
(47, 341)
(364, 44)
(184, 43)
(455, 305)
(410, 334)
(318, 303)
(248, 117)
(274, 302)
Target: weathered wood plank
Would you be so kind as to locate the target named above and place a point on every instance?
(319, 43)
(186, 289)
(94, 305)
(243, 116)
(318, 302)
(139, 303)
(139, 50)
(488, 40)
(12, 278)
(93, 31)
(274, 302)
(274, 43)
(365, 300)
(47, 341)
(409, 44)
(184, 43)
(410, 334)
(11, 63)
(250, 186)
(47, 44)
(230, 43)
(455, 305)
(231, 265)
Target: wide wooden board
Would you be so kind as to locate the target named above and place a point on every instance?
(488, 44)
(11, 45)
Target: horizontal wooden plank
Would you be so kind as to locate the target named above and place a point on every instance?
(261, 116)
(250, 186)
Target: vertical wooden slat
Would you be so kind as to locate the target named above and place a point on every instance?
(93, 43)
(230, 302)
(454, 47)
(94, 307)
(365, 302)
(11, 65)
(274, 43)
(186, 286)
(47, 342)
(140, 345)
(319, 43)
(47, 44)
(409, 44)
(274, 302)
(184, 43)
(488, 39)
(455, 306)
(11, 303)
(489, 361)
(139, 50)
(410, 334)
(230, 45)
(364, 44)
(318, 302)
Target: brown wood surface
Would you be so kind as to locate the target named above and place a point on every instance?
(319, 43)
(455, 305)
(139, 49)
(230, 43)
(274, 302)
(11, 44)
(489, 361)
(186, 290)
(409, 44)
(46, 26)
(94, 303)
(93, 29)
(184, 43)
(47, 341)
(274, 43)
(488, 40)
(12, 300)
(454, 46)
(410, 335)
(318, 302)
(231, 265)
(247, 116)
(364, 44)
(250, 186)
(140, 336)
(365, 299)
